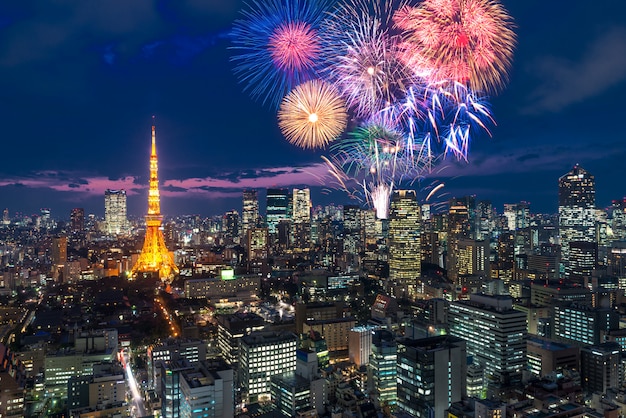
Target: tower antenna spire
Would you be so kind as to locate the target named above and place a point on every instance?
(155, 257)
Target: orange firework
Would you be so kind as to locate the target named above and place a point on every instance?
(312, 115)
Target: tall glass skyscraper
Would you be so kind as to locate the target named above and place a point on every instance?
(577, 221)
(250, 212)
(115, 211)
(404, 242)
(277, 208)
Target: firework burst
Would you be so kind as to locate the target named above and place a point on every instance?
(312, 115)
(374, 156)
(363, 56)
(468, 41)
(277, 46)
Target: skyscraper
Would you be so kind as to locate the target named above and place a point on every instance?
(115, 211)
(431, 374)
(495, 334)
(382, 368)
(352, 236)
(459, 226)
(77, 220)
(577, 219)
(301, 217)
(155, 256)
(250, 212)
(404, 242)
(277, 208)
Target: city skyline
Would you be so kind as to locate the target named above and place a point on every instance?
(81, 84)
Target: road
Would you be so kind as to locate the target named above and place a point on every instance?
(138, 408)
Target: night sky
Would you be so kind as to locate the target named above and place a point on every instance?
(80, 81)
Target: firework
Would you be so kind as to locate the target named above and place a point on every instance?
(312, 115)
(468, 41)
(277, 46)
(363, 56)
(373, 156)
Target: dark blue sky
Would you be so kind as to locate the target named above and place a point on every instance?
(80, 81)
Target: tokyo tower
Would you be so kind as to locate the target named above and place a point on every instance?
(155, 256)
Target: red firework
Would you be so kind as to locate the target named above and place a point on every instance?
(467, 41)
(294, 46)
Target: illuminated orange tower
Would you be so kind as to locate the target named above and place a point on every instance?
(155, 256)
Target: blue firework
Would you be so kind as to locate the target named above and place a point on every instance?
(277, 46)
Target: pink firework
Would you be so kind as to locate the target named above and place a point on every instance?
(294, 46)
(466, 41)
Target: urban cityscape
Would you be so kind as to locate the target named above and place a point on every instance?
(310, 311)
(328, 216)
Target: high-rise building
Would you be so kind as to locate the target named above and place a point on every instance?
(77, 220)
(577, 214)
(115, 212)
(59, 250)
(231, 328)
(301, 218)
(459, 226)
(250, 212)
(473, 258)
(261, 356)
(600, 367)
(431, 374)
(581, 324)
(230, 227)
(495, 334)
(360, 344)
(196, 390)
(301, 211)
(382, 372)
(352, 236)
(257, 246)
(277, 208)
(404, 242)
(155, 257)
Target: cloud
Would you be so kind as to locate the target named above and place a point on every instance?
(222, 185)
(62, 182)
(566, 82)
(252, 179)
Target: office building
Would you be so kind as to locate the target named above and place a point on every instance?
(431, 374)
(301, 219)
(230, 227)
(352, 234)
(581, 324)
(250, 212)
(196, 390)
(261, 356)
(360, 344)
(231, 328)
(495, 335)
(115, 219)
(291, 393)
(77, 220)
(404, 243)
(547, 356)
(600, 367)
(277, 208)
(257, 247)
(382, 372)
(577, 215)
(459, 226)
